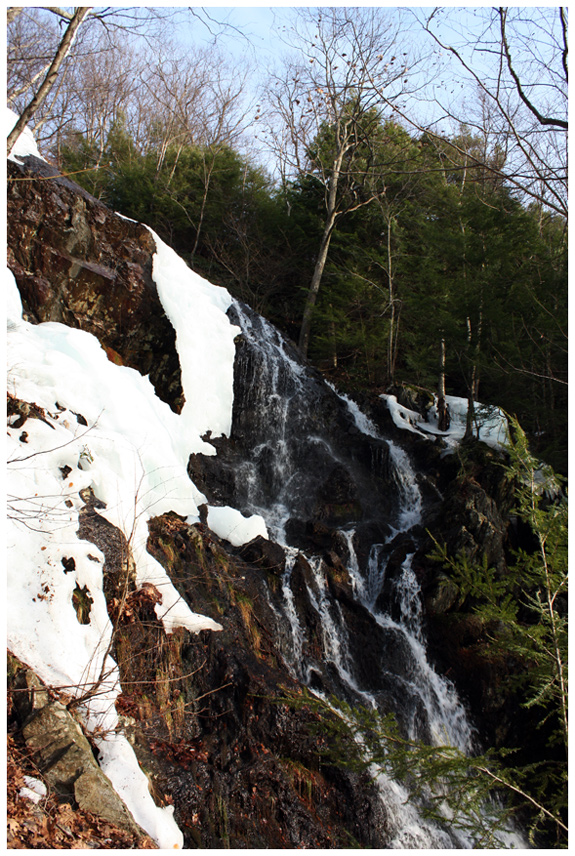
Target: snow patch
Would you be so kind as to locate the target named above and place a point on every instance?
(121, 446)
(119, 763)
(105, 430)
(402, 417)
(204, 341)
(96, 427)
(34, 789)
(25, 144)
(232, 526)
(490, 423)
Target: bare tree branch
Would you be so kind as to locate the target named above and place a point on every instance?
(535, 162)
(563, 20)
(543, 120)
(80, 13)
(60, 12)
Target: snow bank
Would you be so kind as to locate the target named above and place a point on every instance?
(204, 341)
(126, 455)
(25, 144)
(230, 524)
(131, 453)
(490, 425)
(102, 428)
(119, 763)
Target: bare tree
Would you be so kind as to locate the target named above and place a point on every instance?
(197, 100)
(39, 51)
(62, 51)
(328, 86)
(516, 58)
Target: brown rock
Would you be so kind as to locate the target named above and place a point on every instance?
(77, 262)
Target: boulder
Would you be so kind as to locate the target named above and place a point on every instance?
(264, 554)
(65, 759)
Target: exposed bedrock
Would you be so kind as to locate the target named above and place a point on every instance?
(77, 262)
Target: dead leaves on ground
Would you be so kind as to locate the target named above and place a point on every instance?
(53, 825)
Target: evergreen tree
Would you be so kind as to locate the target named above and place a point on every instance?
(444, 279)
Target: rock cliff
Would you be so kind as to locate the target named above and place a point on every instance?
(217, 720)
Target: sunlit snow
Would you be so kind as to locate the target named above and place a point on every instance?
(25, 144)
(106, 431)
(490, 424)
(230, 524)
(33, 789)
(204, 340)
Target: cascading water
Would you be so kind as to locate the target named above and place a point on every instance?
(279, 480)
(294, 657)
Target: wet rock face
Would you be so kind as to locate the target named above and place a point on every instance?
(472, 525)
(294, 446)
(77, 262)
(473, 522)
(218, 720)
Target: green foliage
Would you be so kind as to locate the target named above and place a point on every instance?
(446, 252)
(526, 611)
(213, 206)
(443, 251)
(447, 786)
(528, 604)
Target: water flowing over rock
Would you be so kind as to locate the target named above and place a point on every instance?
(329, 486)
(336, 600)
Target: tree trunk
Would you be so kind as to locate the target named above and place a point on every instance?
(207, 180)
(470, 421)
(331, 211)
(333, 340)
(391, 338)
(62, 52)
(442, 408)
(311, 298)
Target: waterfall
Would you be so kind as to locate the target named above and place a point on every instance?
(278, 479)
(447, 721)
(295, 658)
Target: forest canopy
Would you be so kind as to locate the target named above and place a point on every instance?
(394, 247)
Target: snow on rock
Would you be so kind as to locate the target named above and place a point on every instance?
(102, 427)
(119, 763)
(98, 426)
(25, 144)
(403, 417)
(43, 629)
(490, 424)
(232, 526)
(204, 341)
(131, 452)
